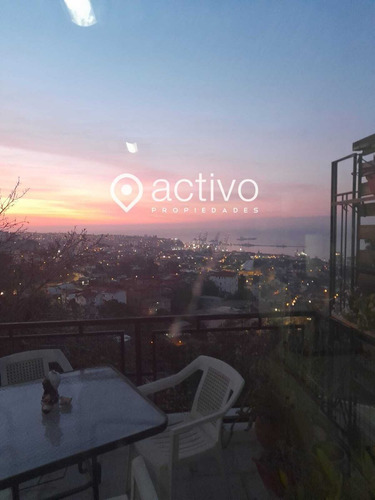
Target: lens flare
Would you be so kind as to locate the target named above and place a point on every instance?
(132, 147)
(81, 12)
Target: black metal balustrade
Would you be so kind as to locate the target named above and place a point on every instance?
(122, 341)
(318, 353)
(352, 236)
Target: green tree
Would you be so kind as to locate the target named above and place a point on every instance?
(113, 309)
(182, 298)
(210, 288)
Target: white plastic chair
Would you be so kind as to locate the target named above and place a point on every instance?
(31, 365)
(142, 487)
(200, 431)
(26, 366)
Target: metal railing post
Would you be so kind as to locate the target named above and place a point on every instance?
(197, 325)
(353, 250)
(138, 352)
(122, 353)
(153, 340)
(333, 237)
(11, 339)
(358, 217)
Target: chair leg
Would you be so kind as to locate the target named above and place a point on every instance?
(171, 484)
(223, 471)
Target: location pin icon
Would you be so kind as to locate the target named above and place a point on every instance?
(130, 194)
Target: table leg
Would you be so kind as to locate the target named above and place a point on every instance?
(96, 477)
(15, 492)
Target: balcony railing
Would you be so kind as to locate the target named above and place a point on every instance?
(323, 356)
(144, 347)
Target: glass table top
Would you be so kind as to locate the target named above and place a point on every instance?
(107, 411)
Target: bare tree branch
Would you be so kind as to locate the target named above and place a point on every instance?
(9, 227)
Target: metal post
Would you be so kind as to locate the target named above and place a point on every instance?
(96, 477)
(15, 492)
(341, 286)
(197, 325)
(353, 235)
(358, 217)
(138, 353)
(333, 236)
(153, 339)
(10, 331)
(345, 249)
(122, 353)
(80, 333)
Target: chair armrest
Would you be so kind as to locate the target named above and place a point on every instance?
(158, 385)
(180, 428)
(167, 382)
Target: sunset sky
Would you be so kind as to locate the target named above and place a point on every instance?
(271, 90)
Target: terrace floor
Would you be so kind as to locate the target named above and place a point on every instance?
(203, 483)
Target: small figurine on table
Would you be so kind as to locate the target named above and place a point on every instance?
(50, 395)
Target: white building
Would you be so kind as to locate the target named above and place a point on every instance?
(60, 290)
(248, 265)
(97, 297)
(105, 296)
(226, 281)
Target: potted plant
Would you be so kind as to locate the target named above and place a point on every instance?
(361, 311)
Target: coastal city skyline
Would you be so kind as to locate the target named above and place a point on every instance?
(255, 91)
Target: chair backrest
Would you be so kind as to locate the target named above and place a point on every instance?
(31, 365)
(142, 488)
(218, 389)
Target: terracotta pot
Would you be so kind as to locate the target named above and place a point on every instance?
(267, 432)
